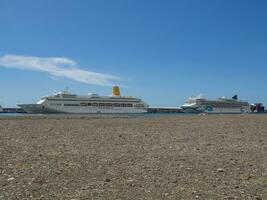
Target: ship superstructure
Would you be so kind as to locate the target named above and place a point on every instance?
(221, 105)
(66, 102)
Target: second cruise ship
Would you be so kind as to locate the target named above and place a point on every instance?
(65, 102)
(221, 105)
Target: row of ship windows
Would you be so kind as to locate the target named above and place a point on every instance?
(101, 104)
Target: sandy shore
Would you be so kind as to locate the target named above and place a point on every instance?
(171, 157)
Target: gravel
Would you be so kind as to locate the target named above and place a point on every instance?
(168, 157)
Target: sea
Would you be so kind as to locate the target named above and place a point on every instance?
(25, 115)
(18, 115)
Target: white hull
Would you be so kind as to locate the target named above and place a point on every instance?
(228, 111)
(218, 110)
(36, 108)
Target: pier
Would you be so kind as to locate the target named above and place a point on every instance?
(12, 110)
(165, 110)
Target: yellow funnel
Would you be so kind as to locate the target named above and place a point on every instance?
(116, 91)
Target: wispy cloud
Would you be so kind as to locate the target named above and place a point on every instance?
(57, 67)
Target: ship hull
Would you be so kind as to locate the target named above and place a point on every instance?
(42, 109)
(227, 111)
(214, 110)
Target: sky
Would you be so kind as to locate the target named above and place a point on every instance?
(162, 51)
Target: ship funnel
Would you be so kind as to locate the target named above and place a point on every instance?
(235, 97)
(116, 91)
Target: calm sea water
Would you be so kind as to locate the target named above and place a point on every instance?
(18, 115)
(92, 115)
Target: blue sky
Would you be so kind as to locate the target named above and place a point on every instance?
(161, 51)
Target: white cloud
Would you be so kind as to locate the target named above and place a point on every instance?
(58, 67)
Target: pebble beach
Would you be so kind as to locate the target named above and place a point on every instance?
(124, 157)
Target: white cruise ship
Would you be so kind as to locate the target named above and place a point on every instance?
(65, 102)
(221, 105)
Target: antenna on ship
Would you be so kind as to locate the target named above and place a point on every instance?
(66, 89)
